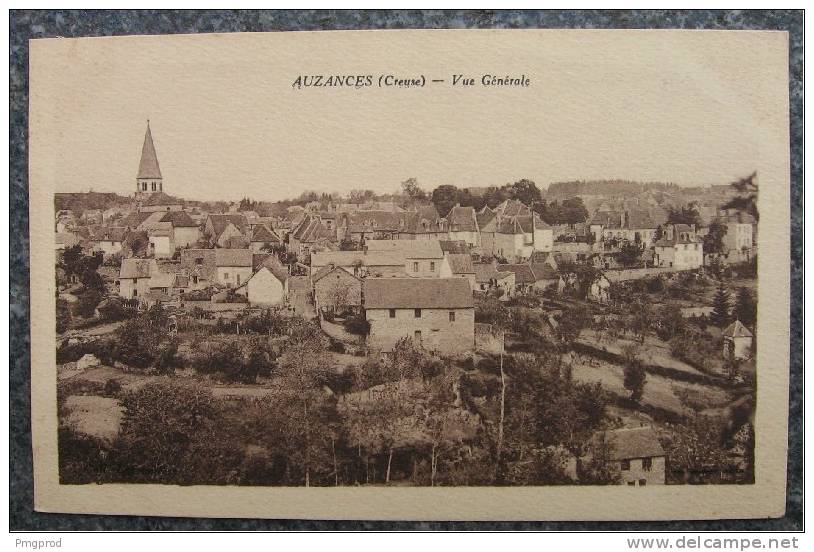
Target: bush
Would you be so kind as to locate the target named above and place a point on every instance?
(63, 317)
(167, 358)
(357, 324)
(112, 388)
(87, 303)
(114, 310)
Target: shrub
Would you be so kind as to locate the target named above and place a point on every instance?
(63, 317)
(357, 325)
(114, 310)
(88, 301)
(112, 388)
(167, 358)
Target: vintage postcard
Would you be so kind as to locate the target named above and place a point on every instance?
(411, 275)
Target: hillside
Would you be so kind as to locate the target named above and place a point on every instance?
(83, 201)
(608, 188)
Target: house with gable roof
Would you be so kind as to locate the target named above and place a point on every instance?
(109, 239)
(310, 232)
(335, 288)
(635, 453)
(512, 231)
(224, 267)
(462, 225)
(263, 236)
(135, 276)
(219, 229)
(460, 266)
(737, 341)
(268, 286)
(185, 231)
(679, 248)
(438, 314)
(489, 279)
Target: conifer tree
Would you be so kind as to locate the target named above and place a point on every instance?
(745, 307)
(720, 307)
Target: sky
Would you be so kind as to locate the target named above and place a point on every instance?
(226, 122)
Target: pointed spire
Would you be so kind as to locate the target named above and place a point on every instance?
(148, 167)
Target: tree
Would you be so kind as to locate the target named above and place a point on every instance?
(71, 258)
(746, 199)
(696, 451)
(714, 240)
(63, 315)
(720, 315)
(745, 307)
(634, 374)
(572, 322)
(162, 421)
(247, 204)
(525, 191)
(304, 368)
(411, 189)
(686, 214)
(87, 303)
(600, 469)
(361, 196)
(630, 254)
(444, 198)
(573, 211)
(669, 322)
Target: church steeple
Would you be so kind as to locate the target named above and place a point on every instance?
(149, 179)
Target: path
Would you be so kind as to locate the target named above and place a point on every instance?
(299, 296)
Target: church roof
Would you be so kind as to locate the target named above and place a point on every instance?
(148, 166)
(160, 199)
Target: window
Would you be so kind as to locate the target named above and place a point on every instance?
(417, 336)
(417, 313)
(642, 482)
(225, 275)
(647, 464)
(194, 279)
(199, 261)
(392, 313)
(625, 465)
(452, 316)
(415, 267)
(238, 279)
(432, 266)
(153, 186)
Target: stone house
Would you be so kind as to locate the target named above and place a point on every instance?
(463, 225)
(488, 279)
(220, 229)
(108, 240)
(512, 231)
(185, 231)
(263, 236)
(460, 266)
(436, 313)
(681, 250)
(636, 454)
(161, 245)
(225, 267)
(268, 286)
(335, 288)
(135, 277)
(737, 341)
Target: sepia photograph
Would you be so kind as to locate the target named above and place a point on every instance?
(411, 260)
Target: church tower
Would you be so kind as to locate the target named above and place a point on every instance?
(148, 181)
